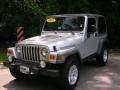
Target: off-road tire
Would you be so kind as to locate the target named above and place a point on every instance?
(102, 58)
(70, 63)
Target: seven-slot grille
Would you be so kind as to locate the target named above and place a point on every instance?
(29, 53)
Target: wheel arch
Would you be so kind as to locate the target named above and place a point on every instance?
(77, 55)
(101, 44)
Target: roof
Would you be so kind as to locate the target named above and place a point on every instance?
(67, 15)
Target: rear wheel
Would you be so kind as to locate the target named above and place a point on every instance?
(70, 73)
(102, 58)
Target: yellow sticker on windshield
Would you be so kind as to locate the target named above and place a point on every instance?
(51, 20)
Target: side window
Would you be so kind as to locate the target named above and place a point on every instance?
(81, 21)
(101, 25)
(91, 25)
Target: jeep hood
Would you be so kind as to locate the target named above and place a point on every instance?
(43, 40)
(50, 41)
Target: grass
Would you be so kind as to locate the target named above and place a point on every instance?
(2, 57)
(3, 48)
(114, 50)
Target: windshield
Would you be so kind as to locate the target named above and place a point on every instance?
(64, 24)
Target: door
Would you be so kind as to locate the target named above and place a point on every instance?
(91, 41)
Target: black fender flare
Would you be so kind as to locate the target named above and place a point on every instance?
(102, 42)
(68, 53)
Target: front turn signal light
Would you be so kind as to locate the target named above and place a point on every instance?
(62, 57)
(52, 57)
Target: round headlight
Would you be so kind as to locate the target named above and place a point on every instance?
(44, 52)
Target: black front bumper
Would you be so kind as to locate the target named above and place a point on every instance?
(34, 68)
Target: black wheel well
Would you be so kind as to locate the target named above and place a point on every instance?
(74, 55)
(105, 43)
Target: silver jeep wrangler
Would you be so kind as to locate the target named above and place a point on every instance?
(66, 41)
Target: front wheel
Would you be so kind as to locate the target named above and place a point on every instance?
(70, 73)
(102, 58)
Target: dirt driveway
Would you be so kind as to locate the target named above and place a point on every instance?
(91, 78)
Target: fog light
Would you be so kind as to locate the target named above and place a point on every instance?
(42, 64)
(10, 58)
